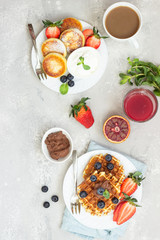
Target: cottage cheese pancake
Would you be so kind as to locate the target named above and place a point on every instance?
(53, 45)
(54, 65)
(72, 38)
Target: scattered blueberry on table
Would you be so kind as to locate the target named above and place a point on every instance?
(44, 189)
(46, 204)
(55, 198)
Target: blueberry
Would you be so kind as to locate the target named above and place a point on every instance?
(55, 198)
(108, 157)
(93, 178)
(44, 189)
(110, 166)
(101, 204)
(100, 191)
(97, 165)
(70, 83)
(83, 194)
(70, 77)
(63, 79)
(46, 204)
(115, 200)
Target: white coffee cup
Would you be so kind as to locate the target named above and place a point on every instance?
(131, 39)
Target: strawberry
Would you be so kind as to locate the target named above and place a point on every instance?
(82, 113)
(116, 211)
(131, 183)
(126, 210)
(52, 28)
(94, 40)
(87, 33)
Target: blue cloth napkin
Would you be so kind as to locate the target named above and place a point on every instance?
(70, 224)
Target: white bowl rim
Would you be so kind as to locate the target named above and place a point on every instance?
(45, 150)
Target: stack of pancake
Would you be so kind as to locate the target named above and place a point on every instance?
(55, 50)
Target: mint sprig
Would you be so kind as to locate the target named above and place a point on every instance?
(142, 73)
(86, 67)
(106, 194)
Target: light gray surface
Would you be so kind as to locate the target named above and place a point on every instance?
(28, 109)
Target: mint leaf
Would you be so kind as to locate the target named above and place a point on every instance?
(106, 194)
(79, 63)
(86, 67)
(156, 92)
(81, 59)
(63, 88)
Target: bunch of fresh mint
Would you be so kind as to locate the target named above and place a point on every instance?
(143, 73)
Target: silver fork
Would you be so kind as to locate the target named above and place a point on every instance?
(74, 199)
(39, 71)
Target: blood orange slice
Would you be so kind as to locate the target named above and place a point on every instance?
(116, 129)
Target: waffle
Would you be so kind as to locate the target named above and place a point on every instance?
(117, 171)
(91, 200)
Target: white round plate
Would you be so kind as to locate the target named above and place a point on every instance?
(80, 84)
(45, 150)
(85, 218)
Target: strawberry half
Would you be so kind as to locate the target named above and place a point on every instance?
(82, 113)
(131, 183)
(126, 210)
(87, 33)
(116, 211)
(94, 40)
(52, 28)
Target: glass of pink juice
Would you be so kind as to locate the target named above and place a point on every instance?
(140, 104)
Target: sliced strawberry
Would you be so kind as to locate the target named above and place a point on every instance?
(126, 211)
(95, 40)
(116, 211)
(52, 28)
(128, 187)
(87, 33)
(131, 183)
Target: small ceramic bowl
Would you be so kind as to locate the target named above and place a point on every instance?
(45, 150)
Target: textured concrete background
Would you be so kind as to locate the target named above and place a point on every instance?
(28, 109)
